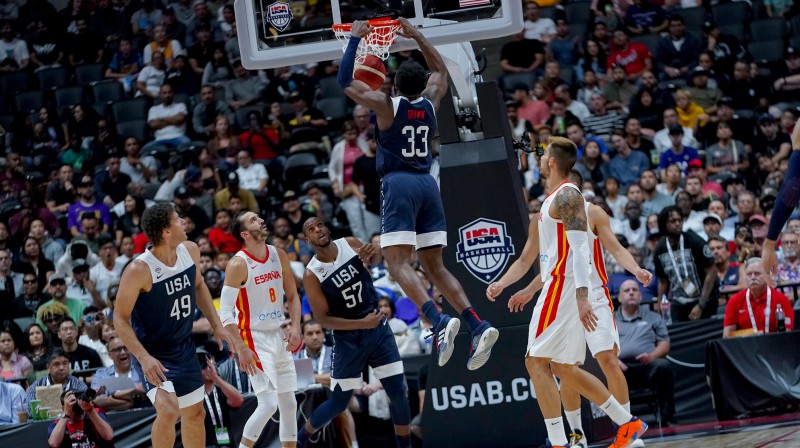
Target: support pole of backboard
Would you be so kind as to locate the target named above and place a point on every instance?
(461, 66)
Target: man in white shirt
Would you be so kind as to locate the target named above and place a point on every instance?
(661, 139)
(577, 108)
(168, 120)
(542, 29)
(252, 176)
(14, 51)
(108, 270)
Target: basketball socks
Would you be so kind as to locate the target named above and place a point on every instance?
(615, 411)
(555, 431)
(403, 441)
(431, 313)
(302, 437)
(574, 420)
(471, 318)
(627, 407)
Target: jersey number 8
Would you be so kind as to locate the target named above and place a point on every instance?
(272, 297)
(411, 132)
(185, 305)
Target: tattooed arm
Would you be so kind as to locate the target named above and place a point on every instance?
(571, 210)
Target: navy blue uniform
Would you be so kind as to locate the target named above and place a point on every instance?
(411, 206)
(347, 286)
(162, 320)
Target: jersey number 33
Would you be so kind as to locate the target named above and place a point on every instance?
(417, 141)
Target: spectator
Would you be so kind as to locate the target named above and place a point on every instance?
(366, 176)
(47, 50)
(92, 326)
(677, 52)
(144, 20)
(126, 63)
(618, 91)
(537, 28)
(578, 109)
(20, 223)
(28, 300)
(217, 407)
(726, 49)
(662, 140)
(222, 197)
(692, 220)
(109, 269)
(771, 141)
(34, 11)
(91, 231)
(634, 57)
(202, 18)
(320, 355)
(687, 275)
(168, 120)
(220, 235)
(594, 59)
(672, 181)
(108, 23)
(645, 17)
(576, 135)
(590, 86)
(340, 170)
(602, 121)
(80, 424)
(631, 224)
(152, 77)
(80, 356)
(174, 28)
(38, 347)
(15, 50)
(741, 315)
(789, 265)
(613, 199)
(202, 52)
(712, 225)
(362, 118)
(705, 95)
(141, 170)
(252, 176)
(264, 139)
(521, 55)
(628, 165)
(294, 213)
(9, 10)
(562, 47)
(83, 207)
(303, 116)
(207, 112)
(34, 262)
(745, 207)
(85, 47)
(777, 8)
(48, 316)
(746, 91)
(591, 166)
(643, 345)
(244, 90)
(58, 367)
(654, 201)
(633, 136)
(12, 364)
(533, 110)
(14, 172)
(119, 399)
(678, 154)
(559, 117)
(726, 156)
(12, 399)
(60, 191)
(111, 184)
(727, 272)
(690, 114)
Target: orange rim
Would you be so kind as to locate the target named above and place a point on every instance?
(374, 22)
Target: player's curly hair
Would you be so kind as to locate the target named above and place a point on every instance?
(410, 78)
(155, 219)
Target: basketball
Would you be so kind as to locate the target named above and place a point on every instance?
(371, 72)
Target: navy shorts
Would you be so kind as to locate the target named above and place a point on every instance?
(411, 211)
(353, 350)
(184, 377)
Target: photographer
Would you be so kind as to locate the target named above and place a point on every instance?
(80, 424)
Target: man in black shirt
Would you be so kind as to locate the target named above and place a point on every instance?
(201, 53)
(26, 303)
(61, 192)
(294, 213)
(80, 356)
(685, 269)
(111, 185)
(365, 174)
(522, 55)
(770, 141)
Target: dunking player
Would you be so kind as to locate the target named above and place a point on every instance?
(785, 204)
(342, 297)
(251, 308)
(411, 207)
(158, 294)
(604, 341)
(556, 342)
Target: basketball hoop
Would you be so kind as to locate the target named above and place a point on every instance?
(376, 42)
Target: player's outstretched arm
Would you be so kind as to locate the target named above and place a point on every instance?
(206, 303)
(570, 208)
(290, 288)
(235, 277)
(611, 243)
(437, 81)
(521, 265)
(136, 278)
(319, 305)
(358, 91)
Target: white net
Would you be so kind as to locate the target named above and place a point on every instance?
(376, 43)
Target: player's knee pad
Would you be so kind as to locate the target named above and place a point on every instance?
(397, 391)
(287, 405)
(335, 405)
(267, 404)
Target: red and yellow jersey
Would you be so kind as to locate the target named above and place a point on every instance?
(260, 302)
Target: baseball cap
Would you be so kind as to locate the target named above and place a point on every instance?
(758, 218)
(707, 26)
(57, 278)
(86, 181)
(695, 163)
(725, 101)
(193, 174)
(675, 129)
(181, 192)
(713, 217)
(104, 239)
(79, 264)
(791, 52)
(766, 118)
(769, 193)
(759, 231)
(290, 195)
(294, 96)
(232, 178)
(78, 249)
(699, 71)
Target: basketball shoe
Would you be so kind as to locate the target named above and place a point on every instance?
(637, 443)
(483, 339)
(446, 332)
(577, 439)
(628, 433)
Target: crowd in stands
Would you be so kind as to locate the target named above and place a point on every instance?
(680, 114)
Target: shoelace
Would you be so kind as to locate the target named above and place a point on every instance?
(575, 439)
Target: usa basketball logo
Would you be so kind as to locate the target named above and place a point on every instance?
(279, 15)
(485, 248)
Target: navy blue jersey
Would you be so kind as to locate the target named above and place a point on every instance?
(406, 145)
(162, 317)
(346, 283)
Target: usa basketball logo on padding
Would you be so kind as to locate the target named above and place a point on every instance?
(485, 248)
(279, 15)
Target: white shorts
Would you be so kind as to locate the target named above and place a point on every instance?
(555, 330)
(275, 364)
(605, 335)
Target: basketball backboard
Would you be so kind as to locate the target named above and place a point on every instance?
(275, 33)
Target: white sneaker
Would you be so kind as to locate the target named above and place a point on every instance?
(637, 442)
